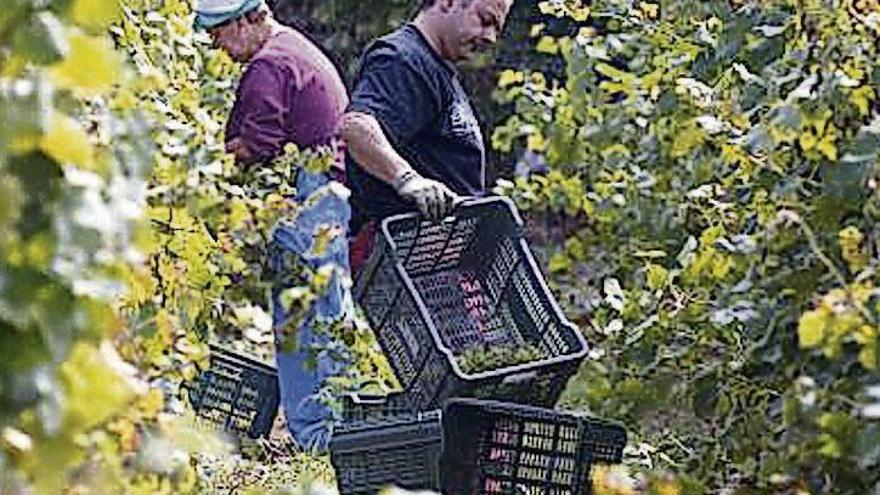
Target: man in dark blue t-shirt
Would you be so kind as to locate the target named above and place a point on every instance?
(413, 140)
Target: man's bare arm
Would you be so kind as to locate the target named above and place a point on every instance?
(370, 148)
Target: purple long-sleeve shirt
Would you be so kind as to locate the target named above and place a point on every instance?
(290, 92)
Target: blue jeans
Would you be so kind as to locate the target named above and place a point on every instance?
(305, 365)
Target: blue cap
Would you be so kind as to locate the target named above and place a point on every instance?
(210, 13)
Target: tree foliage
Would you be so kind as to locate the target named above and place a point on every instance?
(716, 164)
(129, 239)
(711, 197)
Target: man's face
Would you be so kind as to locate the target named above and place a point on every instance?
(475, 25)
(236, 37)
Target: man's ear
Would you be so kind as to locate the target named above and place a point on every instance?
(256, 17)
(447, 6)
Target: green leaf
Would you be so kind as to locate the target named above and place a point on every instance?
(41, 180)
(25, 110)
(657, 276)
(614, 73)
(12, 12)
(42, 40)
(560, 263)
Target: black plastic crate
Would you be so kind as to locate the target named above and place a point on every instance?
(382, 443)
(238, 394)
(361, 408)
(435, 290)
(498, 448)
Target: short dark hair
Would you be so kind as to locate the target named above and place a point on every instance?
(427, 4)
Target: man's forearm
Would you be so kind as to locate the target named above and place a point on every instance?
(371, 149)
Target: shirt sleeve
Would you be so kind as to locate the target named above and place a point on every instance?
(263, 113)
(393, 91)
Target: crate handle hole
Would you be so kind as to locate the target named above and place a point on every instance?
(520, 377)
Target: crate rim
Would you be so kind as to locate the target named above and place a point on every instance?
(421, 420)
(378, 400)
(513, 407)
(228, 353)
(423, 310)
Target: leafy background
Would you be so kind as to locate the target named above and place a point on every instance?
(700, 179)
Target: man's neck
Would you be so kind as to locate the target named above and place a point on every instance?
(427, 25)
(267, 31)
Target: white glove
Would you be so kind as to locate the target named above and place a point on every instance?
(432, 198)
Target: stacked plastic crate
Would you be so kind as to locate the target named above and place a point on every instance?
(236, 393)
(482, 350)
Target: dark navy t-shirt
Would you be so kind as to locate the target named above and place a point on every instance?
(418, 99)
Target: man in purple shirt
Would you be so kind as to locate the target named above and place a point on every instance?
(290, 92)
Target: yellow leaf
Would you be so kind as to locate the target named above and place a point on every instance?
(586, 32)
(721, 266)
(239, 214)
(536, 142)
(616, 149)
(826, 147)
(96, 14)
(559, 262)
(808, 141)
(782, 134)
(867, 338)
(536, 30)
(580, 14)
(13, 66)
(95, 390)
(811, 328)
(509, 77)
(125, 100)
(67, 143)
(667, 488)
(830, 446)
(548, 45)
(868, 358)
(861, 97)
(844, 324)
(546, 7)
(151, 404)
(91, 68)
(866, 334)
(613, 87)
(650, 10)
(324, 235)
(49, 462)
(538, 80)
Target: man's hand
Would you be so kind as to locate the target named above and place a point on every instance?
(370, 147)
(432, 198)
